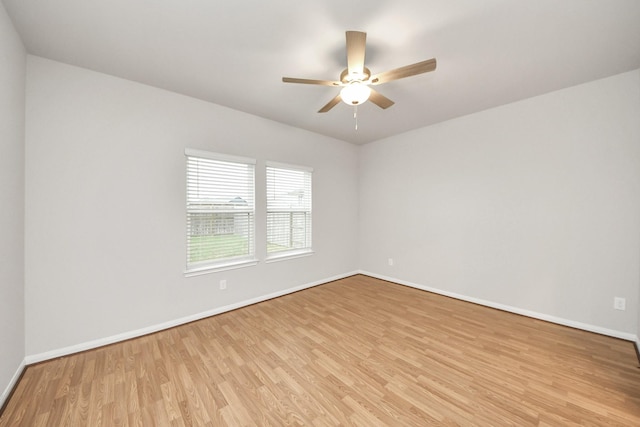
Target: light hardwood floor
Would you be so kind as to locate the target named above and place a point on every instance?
(358, 351)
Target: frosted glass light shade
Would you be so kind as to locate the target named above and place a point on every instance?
(355, 93)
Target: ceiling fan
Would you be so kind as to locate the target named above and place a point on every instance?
(356, 79)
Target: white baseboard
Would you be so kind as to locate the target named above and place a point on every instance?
(541, 316)
(14, 380)
(36, 358)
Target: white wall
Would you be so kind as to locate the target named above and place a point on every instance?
(12, 85)
(533, 206)
(105, 233)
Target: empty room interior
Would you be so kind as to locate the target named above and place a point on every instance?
(338, 213)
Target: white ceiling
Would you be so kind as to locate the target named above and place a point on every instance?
(235, 53)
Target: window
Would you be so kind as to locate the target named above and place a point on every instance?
(220, 211)
(288, 210)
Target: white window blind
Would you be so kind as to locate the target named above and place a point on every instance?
(220, 210)
(288, 209)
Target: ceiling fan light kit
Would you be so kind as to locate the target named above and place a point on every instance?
(355, 93)
(356, 79)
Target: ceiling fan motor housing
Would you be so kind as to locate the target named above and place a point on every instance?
(345, 77)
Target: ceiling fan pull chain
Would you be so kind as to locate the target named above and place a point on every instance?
(355, 115)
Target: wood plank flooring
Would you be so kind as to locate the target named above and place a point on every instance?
(358, 351)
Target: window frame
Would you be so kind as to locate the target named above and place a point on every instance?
(227, 263)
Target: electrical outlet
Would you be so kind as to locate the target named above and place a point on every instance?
(619, 303)
(223, 284)
(390, 261)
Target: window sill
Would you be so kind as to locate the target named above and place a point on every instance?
(289, 255)
(219, 267)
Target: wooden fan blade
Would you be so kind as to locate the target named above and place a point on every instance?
(406, 71)
(380, 100)
(311, 81)
(335, 101)
(356, 45)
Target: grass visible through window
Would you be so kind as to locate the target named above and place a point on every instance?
(274, 247)
(207, 248)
